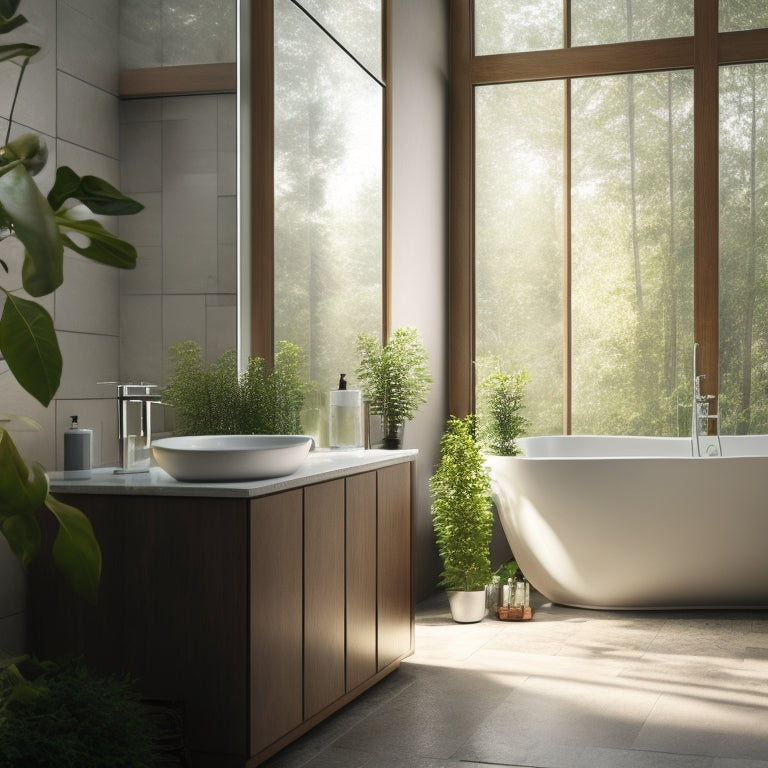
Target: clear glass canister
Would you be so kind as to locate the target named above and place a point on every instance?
(346, 419)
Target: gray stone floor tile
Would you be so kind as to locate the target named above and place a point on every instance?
(571, 688)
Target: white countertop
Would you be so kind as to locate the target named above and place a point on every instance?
(321, 465)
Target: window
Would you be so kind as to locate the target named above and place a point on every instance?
(319, 257)
(586, 217)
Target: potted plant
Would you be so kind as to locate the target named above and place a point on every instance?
(500, 423)
(462, 519)
(394, 379)
(45, 225)
(216, 400)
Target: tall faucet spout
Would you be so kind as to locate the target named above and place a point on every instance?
(700, 415)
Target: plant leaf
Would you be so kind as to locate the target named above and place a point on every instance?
(75, 550)
(100, 196)
(8, 20)
(11, 51)
(34, 224)
(103, 246)
(28, 343)
(23, 488)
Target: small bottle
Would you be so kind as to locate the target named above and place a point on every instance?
(78, 451)
(346, 417)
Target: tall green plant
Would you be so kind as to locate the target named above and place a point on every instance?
(461, 508)
(394, 377)
(44, 225)
(215, 400)
(499, 419)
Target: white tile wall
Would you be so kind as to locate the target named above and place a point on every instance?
(141, 341)
(88, 359)
(190, 184)
(87, 115)
(36, 104)
(178, 160)
(32, 445)
(86, 301)
(88, 38)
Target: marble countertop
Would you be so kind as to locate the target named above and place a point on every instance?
(321, 465)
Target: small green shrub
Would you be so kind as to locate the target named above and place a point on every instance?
(500, 422)
(394, 378)
(67, 717)
(461, 509)
(215, 400)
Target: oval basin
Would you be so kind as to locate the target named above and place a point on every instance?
(217, 458)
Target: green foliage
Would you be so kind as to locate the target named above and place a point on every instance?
(499, 420)
(28, 340)
(505, 572)
(461, 508)
(68, 717)
(216, 400)
(394, 377)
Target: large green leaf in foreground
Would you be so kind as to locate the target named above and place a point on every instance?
(28, 343)
(75, 550)
(23, 488)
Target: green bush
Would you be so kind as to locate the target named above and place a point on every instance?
(66, 716)
(500, 423)
(215, 400)
(461, 509)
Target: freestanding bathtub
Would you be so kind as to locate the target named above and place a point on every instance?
(638, 522)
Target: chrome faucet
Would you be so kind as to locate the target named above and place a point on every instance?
(701, 417)
(140, 419)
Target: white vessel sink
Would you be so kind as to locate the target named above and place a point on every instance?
(217, 458)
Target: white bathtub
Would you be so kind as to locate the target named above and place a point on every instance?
(637, 522)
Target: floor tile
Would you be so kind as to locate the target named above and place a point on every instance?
(571, 688)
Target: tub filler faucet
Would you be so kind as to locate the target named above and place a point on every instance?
(703, 444)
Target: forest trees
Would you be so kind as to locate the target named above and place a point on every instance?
(624, 188)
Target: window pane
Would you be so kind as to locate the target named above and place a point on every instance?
(504, 27)
(356, 24)
(519, 241)
(742, 14)
(596, 22)
(154, 34)
(743, 249)
(328, 198)
(632, 253)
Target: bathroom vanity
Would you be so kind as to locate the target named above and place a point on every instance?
(258, 608)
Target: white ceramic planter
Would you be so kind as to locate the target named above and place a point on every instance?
(467, 607)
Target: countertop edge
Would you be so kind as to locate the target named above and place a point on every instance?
(320, 466)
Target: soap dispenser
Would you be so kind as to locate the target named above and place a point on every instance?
(346, 417)
(78, 451)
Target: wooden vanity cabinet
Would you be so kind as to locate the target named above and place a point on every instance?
(258, 616)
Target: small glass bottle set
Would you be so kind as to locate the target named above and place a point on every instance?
(515, 601)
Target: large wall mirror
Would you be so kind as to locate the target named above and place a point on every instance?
(178, 127)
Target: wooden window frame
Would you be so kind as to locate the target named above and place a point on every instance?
(261, 249)
(703, 53)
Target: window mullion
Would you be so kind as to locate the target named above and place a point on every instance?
(567, 242)
(706, 181)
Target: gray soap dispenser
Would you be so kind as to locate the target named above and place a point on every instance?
(78, 451)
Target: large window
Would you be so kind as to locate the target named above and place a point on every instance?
(599, 178)
(319, 242)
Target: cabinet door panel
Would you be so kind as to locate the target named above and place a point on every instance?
(324, 669)
(276, 620)
(395, 608)
(361, 578)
